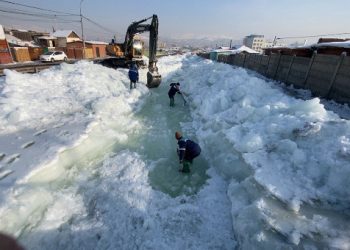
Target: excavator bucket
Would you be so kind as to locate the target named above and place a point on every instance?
(153, 79)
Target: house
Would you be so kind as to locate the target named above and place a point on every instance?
(255, 42)
(25, 35)
(17, 42)
(332, 48)
(302, 51)
(46, 41)
(214, 55)
(329, 46)
(64, 37)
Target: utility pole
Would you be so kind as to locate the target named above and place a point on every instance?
(82, 29)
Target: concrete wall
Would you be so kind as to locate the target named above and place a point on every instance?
(326, 76)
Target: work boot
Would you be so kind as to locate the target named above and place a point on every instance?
(186, 167)
(172, 102)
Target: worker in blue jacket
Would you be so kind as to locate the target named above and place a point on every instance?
(174, 88)
(187, 151)
(133, 75)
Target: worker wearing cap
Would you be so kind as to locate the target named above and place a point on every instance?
(187, 151)
(174, 88)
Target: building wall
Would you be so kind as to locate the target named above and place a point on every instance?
(255, 42)
(72, 39)
(88, 47)
(61, 42)
(20, 54)
(5, 55)
(98, 48)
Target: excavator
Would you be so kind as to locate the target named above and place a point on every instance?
(132, 49)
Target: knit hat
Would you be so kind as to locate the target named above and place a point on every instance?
(178, 135)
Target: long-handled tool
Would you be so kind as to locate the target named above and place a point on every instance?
(183, 98)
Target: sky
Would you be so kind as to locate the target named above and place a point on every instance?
(187, 19)
(85, 163)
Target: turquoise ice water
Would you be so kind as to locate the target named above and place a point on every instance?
(157, 143)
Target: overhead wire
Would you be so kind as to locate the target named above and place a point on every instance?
(38, 8)
(53, 17)
(32, 14)
(40, 20)
(99, 25)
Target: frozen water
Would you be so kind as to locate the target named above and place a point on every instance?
(95, 164)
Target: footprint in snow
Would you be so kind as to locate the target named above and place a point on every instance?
(5, 174)
(2, 156)
(40, 132)
(12, 158)
(28, 144)
(58, 125)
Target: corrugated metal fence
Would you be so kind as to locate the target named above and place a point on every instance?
(326, 76)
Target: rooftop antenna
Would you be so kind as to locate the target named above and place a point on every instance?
(274, 42)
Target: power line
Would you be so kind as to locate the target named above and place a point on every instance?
(38, 8)
(99, 25)
(50, 16)
(19, 12)
(40, 20)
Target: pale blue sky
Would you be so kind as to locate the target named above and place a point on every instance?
(232, 19)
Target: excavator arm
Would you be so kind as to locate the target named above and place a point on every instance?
(153, 76)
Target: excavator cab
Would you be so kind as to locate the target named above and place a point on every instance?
(137, 48)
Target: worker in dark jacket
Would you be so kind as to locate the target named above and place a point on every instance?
(133, 75)
(174, 88)
(187, 151)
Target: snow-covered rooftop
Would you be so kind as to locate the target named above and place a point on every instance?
(47, 37)
(62, 33)
(236, 51)
(96, 42)
(15, 40)
(345, 44)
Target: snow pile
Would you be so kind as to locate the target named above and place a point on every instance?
(87, 163)
(86, 182)
(43, 114)
(297, 151)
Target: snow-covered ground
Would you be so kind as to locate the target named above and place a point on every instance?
(85, 163)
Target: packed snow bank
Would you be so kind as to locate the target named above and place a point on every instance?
(296, 150)
(101, 168)
(42, 114)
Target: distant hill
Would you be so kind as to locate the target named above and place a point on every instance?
(200, 42)
(195, 43)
